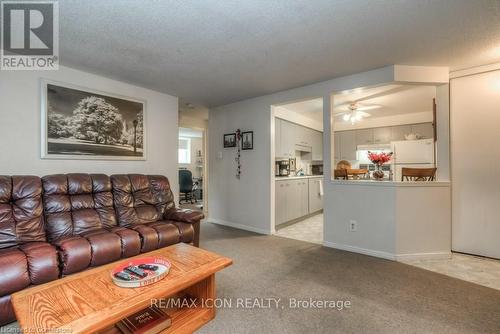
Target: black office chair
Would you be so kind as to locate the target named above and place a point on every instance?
(186, 186)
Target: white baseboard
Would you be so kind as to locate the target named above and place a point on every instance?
(238, 226)
(423, 256)
(383, 255)
(390, 256)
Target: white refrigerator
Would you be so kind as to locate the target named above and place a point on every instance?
(412, 154)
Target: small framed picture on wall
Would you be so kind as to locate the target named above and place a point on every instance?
(230, 140)
(247, 140)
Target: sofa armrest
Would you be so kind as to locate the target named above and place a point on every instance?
(184, 215)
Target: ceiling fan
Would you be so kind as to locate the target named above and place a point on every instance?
(356, 112)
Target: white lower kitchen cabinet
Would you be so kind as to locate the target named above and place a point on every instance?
(303, 186)
(315, 198)
(293, 199)
(280, 202)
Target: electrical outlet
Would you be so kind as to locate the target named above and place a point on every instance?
(353, 226)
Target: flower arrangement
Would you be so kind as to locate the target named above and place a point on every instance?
(379, 158)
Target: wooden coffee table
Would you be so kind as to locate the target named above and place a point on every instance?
(89, 302)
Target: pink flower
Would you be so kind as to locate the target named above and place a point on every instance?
(379, 158)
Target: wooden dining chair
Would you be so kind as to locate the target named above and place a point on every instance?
(340, 174)
(418, 174)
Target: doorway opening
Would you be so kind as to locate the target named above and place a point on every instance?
(191, 168)
(192, 157)
(297, 165)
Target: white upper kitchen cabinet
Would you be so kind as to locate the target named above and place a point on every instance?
(277, 138)
(304, 136)
(399, 132)
(382, 135)
(336, 146)
(289, 132)
(317, 145)
(425, 130)
(348, 145)
(363, 136)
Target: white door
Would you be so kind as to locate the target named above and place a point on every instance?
(475, 157)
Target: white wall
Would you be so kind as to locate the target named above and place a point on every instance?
(297, 118)
(396, 221)
(475, 157)
(248, 203)
(372, 207)
(20, 126)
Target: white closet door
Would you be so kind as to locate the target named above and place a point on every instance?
(475, 163)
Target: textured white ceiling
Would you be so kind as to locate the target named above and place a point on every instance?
(214, 52)
(391, 99)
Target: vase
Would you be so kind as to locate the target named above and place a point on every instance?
(378, 174)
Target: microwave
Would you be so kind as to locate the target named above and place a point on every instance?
(317, 169)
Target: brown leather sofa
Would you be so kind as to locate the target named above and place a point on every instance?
(62, 224)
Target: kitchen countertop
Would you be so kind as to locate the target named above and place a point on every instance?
(281, 178)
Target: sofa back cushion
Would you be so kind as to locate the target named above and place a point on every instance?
(141, 199)
(21, 211)
(77, 203)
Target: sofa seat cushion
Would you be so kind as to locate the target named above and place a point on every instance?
(130, 240)
(14, 271)
(43, 265)
(186, 231)
(6, 311)
(105, 247)
(149, 238)
(74, 254)
(168, 234)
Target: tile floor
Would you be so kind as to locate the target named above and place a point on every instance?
(474, 269)
(309, 229)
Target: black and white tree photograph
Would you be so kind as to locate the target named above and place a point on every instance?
(83, 124)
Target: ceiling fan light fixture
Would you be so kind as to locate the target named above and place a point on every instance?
(346, 117)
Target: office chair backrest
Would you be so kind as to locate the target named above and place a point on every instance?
(185, 181)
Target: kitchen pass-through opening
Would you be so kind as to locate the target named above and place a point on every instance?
(379, 131)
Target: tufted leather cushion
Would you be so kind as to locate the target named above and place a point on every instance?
(21, 211)
(82, 205)
(105, 247)
(6, 311)
(168, 234)
(14, 274)
(140, 199)
(186, 231)
(77, 203)
(131, 241)
(42, 262)
(184, 215)
(75, 254)
(149, 238)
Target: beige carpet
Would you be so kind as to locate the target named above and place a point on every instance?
(386, 296)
